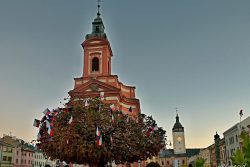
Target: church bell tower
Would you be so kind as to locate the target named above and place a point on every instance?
(97, 78)
(178, 137)
(97, 50)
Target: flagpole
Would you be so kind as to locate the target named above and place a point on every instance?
(241, 114)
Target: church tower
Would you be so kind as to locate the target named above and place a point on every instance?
(178, 137)
(97, 78)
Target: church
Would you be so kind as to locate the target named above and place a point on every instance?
(97, 79)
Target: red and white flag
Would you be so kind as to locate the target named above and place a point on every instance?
(102, 95)
(70, 120)
(112, 107)
(86, 104)
(98, 132)
(36, 123)
(46, 111)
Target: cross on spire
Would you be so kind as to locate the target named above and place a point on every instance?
(98, 7)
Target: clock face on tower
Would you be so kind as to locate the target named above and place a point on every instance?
(179, 139)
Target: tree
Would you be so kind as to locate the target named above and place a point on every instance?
(95, 135)
(242, 157)
(238, 158)
(199, 162)
(153, 164)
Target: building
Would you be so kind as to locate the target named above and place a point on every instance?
(6, 154)
(205, 153)
(232, 138)
(179, 155)
(97, 77)
(22, 151)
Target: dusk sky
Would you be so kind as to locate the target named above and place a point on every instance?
(189, 54)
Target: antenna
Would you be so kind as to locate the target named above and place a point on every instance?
(176, 109)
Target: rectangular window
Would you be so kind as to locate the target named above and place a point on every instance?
(4, 158)
(4, 149)
(16, 161)
(9, 159)
(17, 152)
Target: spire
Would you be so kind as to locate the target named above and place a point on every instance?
(97, 25)
(98, 8)
(177, 126)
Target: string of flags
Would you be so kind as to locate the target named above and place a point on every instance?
(49, 116)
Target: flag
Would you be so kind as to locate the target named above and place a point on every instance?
(70, 120)
(112, 107)
(111, 139)
(241, 112)
(130, 109)
(36, 123)
(86, 103)
(156, 128)
(149, 131)
(98, 132)
(43, 119)
(127, 119)
(102, 95)
(50, 131)
(99, 140)
(47, 124)
(38, 136)
(46, 111)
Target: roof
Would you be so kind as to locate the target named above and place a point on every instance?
(170, 153)
(4, 143)
(177, 126)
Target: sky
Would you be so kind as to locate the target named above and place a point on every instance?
(192, 55)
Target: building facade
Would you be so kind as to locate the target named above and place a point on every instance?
(232, 138)
(6, 154)
(22, 151)
(97, 77)
(179, 155)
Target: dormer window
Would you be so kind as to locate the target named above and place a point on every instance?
(95, 64)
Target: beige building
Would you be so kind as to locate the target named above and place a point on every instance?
(205, 153)
(232, 138)
(6, 154)
(179, 155)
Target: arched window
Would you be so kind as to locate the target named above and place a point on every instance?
(95, 64)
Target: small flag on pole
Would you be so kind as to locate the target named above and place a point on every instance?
(70, 120)
(86, 103)
(46, 111)
(98, 132)
(241, 112)
(127, 119)
(102, 95)
(100, 141)
(38, 136)
(112, 107)
(36, 123)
